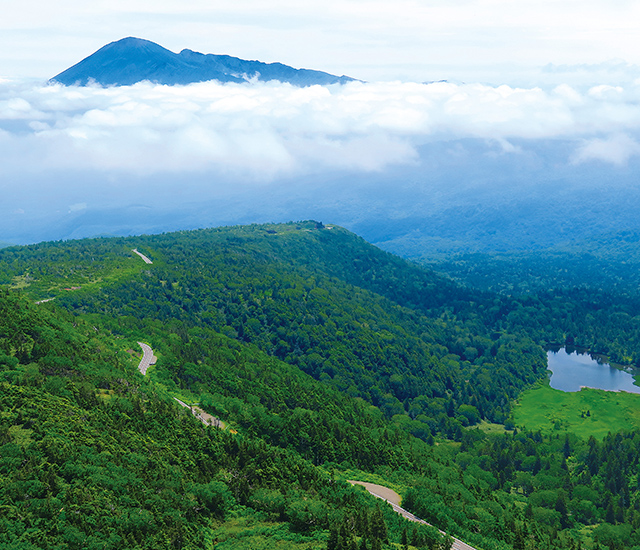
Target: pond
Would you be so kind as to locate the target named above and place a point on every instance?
(577, 369)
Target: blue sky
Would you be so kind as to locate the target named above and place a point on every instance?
(553, 85)
(517, 42)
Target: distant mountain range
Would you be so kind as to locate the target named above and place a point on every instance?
(132, 60)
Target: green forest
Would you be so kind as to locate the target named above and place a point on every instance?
(325, 359)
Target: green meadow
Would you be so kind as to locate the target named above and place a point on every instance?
(584, 413)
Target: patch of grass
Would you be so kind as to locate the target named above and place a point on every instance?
(584, 413)
(21, 436)
(247, 533)
(105, 395)
(489, 428)
(21, 282)
(80, 276)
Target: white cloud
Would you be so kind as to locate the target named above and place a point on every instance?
(262, 131)
(16, 108)
(77, 207)
(616, 149)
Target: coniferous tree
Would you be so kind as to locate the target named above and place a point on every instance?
(519, 540)
(610, 514)
(377, 526)
(561, 507)
(333, 540)
(566, 449)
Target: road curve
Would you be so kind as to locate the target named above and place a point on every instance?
(206, 418)
(393, 498)
(147, 358)
(146, 260)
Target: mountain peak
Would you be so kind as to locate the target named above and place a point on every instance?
(130, 60)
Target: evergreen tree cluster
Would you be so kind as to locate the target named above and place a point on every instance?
(322, 355)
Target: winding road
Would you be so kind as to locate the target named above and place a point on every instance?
(147, 358)
(146, 260)
(206, 418)
(379, 491)
(394, 499)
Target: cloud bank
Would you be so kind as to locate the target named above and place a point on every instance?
(262, 131)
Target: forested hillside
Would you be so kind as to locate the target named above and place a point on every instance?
(584, 294)
(366, 322)
(326, 359)
(94, 456)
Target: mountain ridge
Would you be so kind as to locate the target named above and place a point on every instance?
(131, 60)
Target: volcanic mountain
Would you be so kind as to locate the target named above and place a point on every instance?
(132, 60)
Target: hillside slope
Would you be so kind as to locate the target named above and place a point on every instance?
(361, 320)
(328, 360)
(94, 456)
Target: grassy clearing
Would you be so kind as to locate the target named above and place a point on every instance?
(21, 282)
(584, 413)
(105, 395)
(22, 437)
(489, 428)
(247, 533)
(78, 276)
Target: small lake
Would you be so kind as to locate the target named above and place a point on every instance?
(572, 371)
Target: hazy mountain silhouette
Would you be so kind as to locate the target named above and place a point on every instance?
(132, 60)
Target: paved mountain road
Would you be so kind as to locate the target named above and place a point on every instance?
(147, 358)
(146, 260)
(394, 499)
(379, 491)
(206, 418)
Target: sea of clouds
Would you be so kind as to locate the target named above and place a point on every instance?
(82, 161)
(263, 131)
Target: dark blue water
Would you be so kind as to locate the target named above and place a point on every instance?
(572, 371)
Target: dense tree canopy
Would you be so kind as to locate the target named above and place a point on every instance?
(324, 357)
